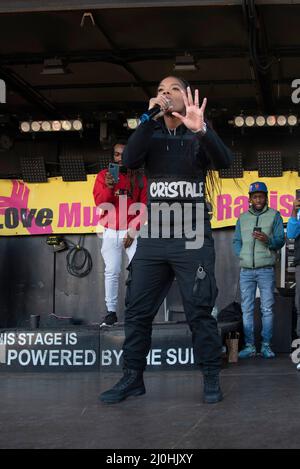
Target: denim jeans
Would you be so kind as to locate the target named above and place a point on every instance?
(264, 279)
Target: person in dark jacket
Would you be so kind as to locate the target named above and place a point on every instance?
(293, 232)
(177, 148)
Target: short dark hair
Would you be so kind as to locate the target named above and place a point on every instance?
(118, 141)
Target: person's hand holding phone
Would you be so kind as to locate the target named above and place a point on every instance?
(260, 235)
(114, 169)
(109, 180)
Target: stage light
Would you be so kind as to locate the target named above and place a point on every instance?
(49, 126)
(292, 120)
(25, 126)
(72, 168)
(77, 125)
(133, 123)
(239, 121)
(281, 121)
(54, 67)
(249, 121)
(56, 126)
(236, 168)
(46, 126)
(66, 125)
(87, 15)
(269, 164)
(33, 169)
(35, 126)
(271, 121)
(265, 121)
(260, 121)
(185, 63)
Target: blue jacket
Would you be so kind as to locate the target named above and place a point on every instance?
(293, 232)
(293, 228)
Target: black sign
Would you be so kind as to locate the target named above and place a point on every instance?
(53, 350)
(171, 348)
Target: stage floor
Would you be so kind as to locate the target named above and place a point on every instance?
(61, 410)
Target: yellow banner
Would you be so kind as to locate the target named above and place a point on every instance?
(55, 207)
(59, 207)
(233, 199)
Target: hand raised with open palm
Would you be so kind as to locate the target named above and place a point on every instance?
(194, 115)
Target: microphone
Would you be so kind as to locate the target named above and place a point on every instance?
(151, 113)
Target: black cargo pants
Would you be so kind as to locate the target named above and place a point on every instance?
(151, 273)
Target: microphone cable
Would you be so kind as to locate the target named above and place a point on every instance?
(79, 260)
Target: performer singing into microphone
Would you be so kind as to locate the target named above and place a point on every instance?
(178, 149)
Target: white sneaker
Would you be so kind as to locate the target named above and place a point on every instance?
(298, 367)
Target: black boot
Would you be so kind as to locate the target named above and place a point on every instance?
(109, 320)
(212, 391)
(131, 384)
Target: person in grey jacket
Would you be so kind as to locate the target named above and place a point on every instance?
(259, 233)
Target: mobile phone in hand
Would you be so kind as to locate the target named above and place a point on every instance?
(257, 228)
(113, 169)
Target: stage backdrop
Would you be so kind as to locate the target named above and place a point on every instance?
(59, 207)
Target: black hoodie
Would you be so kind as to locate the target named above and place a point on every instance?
(176, 162)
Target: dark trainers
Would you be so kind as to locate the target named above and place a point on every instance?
(109, 320)
(212, 391)
(131, 384)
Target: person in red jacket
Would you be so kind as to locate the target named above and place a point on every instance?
(119, 224)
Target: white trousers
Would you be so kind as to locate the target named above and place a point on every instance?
(112, 249)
